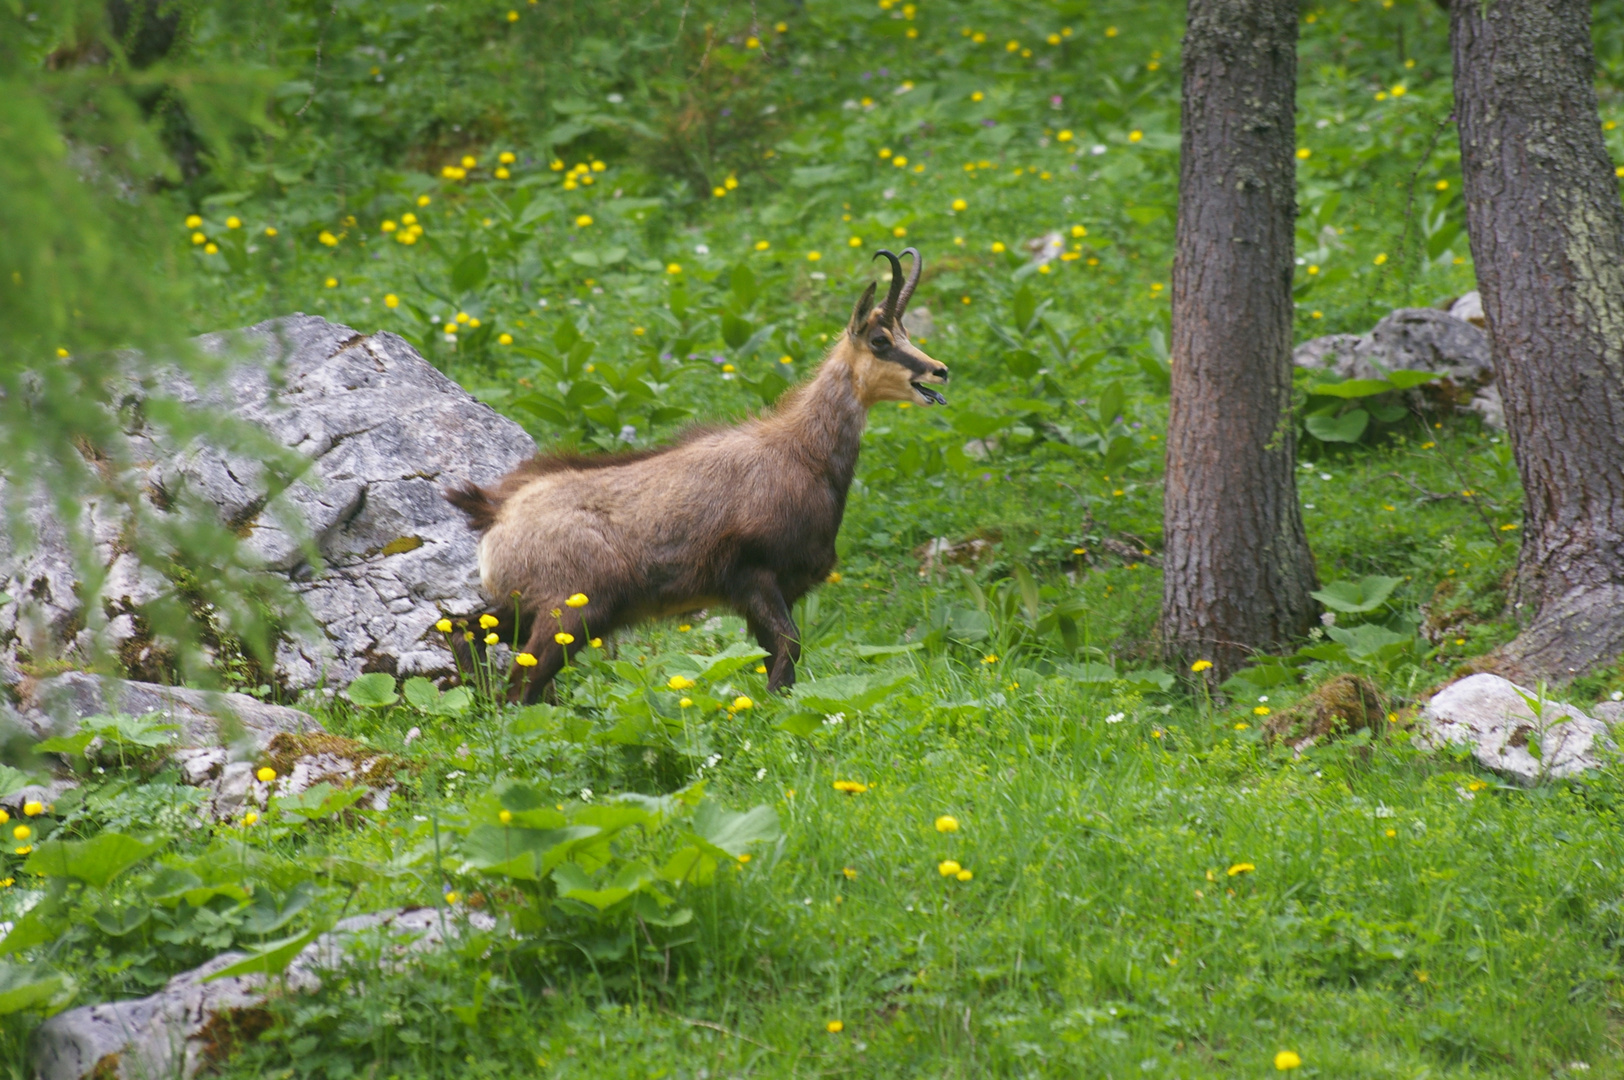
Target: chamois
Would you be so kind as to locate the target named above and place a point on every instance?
(743, 517)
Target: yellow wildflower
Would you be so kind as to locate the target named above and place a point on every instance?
(578, 600)
(596, 643)
(33, 808)
(1287, 1059)
(444, 626)
(990, 658)
(390, 300)
(850, 787)
(835, 1027)
(583, 221)
(270, 230)
(998, 247)
(1135, 136)
(856, 241)
(249, 818)
(813, 256)
(505, 817)
(1201, 665)
(193, 221)
(487, 621)
(564, 637)
(960, 204)
(742, 702)
(265, 774)
(22, 832)
(679, 682)
(525, 659)
(948, 867)
(504, 339)
(1261, 710)
(963, 875)
(947, 823)
(491, 638)
(1240, 868)
(327, 238)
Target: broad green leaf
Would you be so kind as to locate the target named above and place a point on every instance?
(524, 854)
(731, 833)
(1404, 380)
(25, 987)
(801, 723)
(320, 800)
(422, 694)
(1353, 597)
(1366, 640)
(689, 865)
(269, 959)
(96, 861)
(44, 922)
(13, 780)
(269, 913)
(374, 691)
(118, 921)
(743, 283)
(869, 652)
(1353, 388)
(1089, 672)
(71, 745)
(470, 271)
(1147, 679)
(841, 692)
(726, 662)
(1345, 428)
(1258, 677)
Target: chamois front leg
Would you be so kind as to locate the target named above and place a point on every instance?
(762, 603)
(531, 684)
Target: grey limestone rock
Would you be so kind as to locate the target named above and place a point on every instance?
(384, 433)
(188, 1025)
(1491, 715)
(1408, 339)
(206, 718)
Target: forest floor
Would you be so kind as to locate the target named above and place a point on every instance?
(1139, 883)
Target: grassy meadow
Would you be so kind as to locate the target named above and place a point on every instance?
(993, 833)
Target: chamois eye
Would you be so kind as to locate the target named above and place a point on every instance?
(879, 344)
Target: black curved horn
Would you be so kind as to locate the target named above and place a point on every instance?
(891, 311)
(913, 280)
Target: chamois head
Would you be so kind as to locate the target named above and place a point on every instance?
(887, 366)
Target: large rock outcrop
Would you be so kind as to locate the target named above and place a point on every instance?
(1451, 343)
(196, 1020)
(384, 432)
(1525, 742)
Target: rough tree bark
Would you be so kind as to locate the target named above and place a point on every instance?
(1237, 569)
(1547, 234)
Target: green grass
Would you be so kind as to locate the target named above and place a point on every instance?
(1102, 932)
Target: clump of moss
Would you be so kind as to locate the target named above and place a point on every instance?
(1342, 705)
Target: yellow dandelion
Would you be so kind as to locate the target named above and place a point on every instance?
(1135, 136)
(990, 658)
(1201, 665)
(947, 823)
(960, 204)
(1261, 710)
(763, 245)
(583, 221)
(856, 241)
(270, 230)
(423, 200)
(673, 268)
(850, 787)
(1240, 868)
(193, 221)
(504, 339)
(1286, 1060)
(835, 1027)
(390, 300)
(948, 867)
(963, 875)
(813, 256)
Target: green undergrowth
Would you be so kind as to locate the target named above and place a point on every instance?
(991, 832)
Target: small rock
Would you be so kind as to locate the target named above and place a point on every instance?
(1046, 248)
(1491, 715)
(1488, 405)
(1610, 712)
(919, 323)
(942, 551)
(1469, 308)
(193, 1024)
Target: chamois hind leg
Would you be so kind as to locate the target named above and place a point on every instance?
(762, 604)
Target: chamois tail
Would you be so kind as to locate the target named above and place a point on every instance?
(477, 503)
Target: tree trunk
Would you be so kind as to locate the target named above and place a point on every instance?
(1547, 232)
(1237, 569)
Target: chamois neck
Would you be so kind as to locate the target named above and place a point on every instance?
(822, 420)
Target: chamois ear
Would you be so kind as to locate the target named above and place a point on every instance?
(860, 313)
